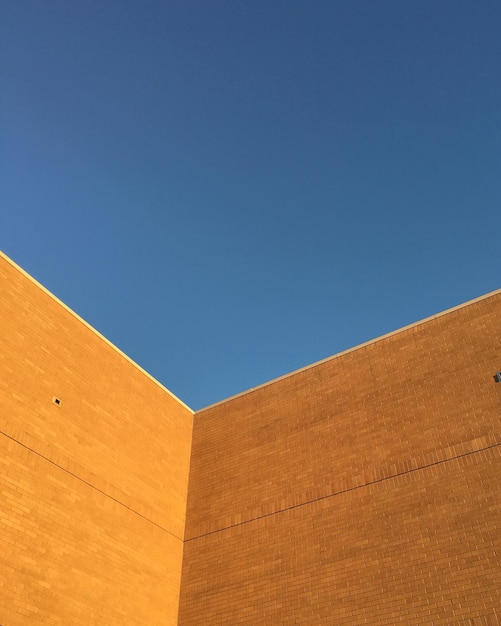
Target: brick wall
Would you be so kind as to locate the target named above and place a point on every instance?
(93, 490)
(363, 490)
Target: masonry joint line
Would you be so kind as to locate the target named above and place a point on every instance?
(85, 482)
(338, 493)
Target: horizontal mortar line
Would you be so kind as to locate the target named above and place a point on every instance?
(338, 493)
(88, 484)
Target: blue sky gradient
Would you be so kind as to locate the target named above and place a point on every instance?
(232, 190)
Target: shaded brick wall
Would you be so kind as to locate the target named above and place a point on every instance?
(364, 489)
(93, 500)
(422, 548)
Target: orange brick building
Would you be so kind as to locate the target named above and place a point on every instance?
(364, 489)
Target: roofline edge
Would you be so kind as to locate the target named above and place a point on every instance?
(96, 332)
(353, 349)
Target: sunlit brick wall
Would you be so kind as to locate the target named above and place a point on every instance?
(363, 490)
(93, 490)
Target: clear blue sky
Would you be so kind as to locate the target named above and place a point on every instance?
(232, 190)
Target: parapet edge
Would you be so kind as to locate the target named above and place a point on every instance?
(96, 332)
(347, 351)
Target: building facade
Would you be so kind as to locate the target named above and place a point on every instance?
(364, 489)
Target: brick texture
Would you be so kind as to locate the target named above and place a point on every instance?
(93, 496)
(420, 548)
(363, 490)
(72, 555)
